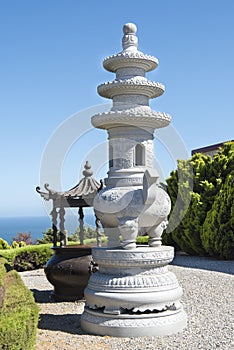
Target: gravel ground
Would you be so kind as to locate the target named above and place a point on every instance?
(208, 300)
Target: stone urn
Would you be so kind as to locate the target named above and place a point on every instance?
(127, 211)
(68, 270)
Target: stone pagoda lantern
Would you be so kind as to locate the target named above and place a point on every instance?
(133, 293)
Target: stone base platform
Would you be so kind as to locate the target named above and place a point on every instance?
(133, 294)
(128, 325)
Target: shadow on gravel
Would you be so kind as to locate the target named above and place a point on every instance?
(195, 262)
(68, 323)
(42, 296)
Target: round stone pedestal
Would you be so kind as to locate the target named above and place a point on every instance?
(133, 294)
(153, 324)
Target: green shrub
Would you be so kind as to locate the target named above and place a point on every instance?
(4, 244)
(142, 239)
(193, 194)
(9, 255)
(48, 237)
(93, 241)
(190, 198)
(28, 257)
(2, 278)
(218, 229)
(20, 244)
(15, 245)
(74, 237)
(89, 232)
(19, 314)
(2, 270)
(32, 258)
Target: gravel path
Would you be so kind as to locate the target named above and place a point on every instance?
(208, 300)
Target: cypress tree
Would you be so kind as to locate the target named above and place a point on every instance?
(218, 229)
(193, 187)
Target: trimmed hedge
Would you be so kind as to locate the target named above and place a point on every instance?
(19, 313)
(4, 244)
(2, 271)
(2, 277)
(29, 257)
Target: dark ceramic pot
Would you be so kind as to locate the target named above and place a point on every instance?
(68, 270)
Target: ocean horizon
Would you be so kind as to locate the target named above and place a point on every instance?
(36, 225)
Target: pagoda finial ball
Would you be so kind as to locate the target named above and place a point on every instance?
(129, 28)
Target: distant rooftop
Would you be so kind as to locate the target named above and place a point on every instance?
(209, 150)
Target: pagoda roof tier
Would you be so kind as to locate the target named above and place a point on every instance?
(143, 117)
(132, 86)
(86, 188)
(128, 59)
(130, 90)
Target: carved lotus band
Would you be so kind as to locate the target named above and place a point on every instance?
(140, 256)
(100, 281)
(135, 86)
(130, 59)
(137, 117)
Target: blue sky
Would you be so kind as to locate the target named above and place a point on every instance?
(51, 64)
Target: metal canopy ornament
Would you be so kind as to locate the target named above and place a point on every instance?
(87, 187)
(81, 195)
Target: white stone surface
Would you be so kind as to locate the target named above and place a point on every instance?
(133, 293)
(128, 205)
(131, 326)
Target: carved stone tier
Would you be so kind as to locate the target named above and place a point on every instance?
(129, 59)
(133, 291)
(135, 85)
(142, 256)
(153, 324)
(139, 116)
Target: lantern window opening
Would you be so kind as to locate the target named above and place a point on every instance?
(139, 155)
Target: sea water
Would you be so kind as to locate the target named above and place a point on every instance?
(36, 225)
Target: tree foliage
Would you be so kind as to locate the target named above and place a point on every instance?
(89, 232)
(25, 237)
(218, 229)
(194, 188)
(47, 237)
